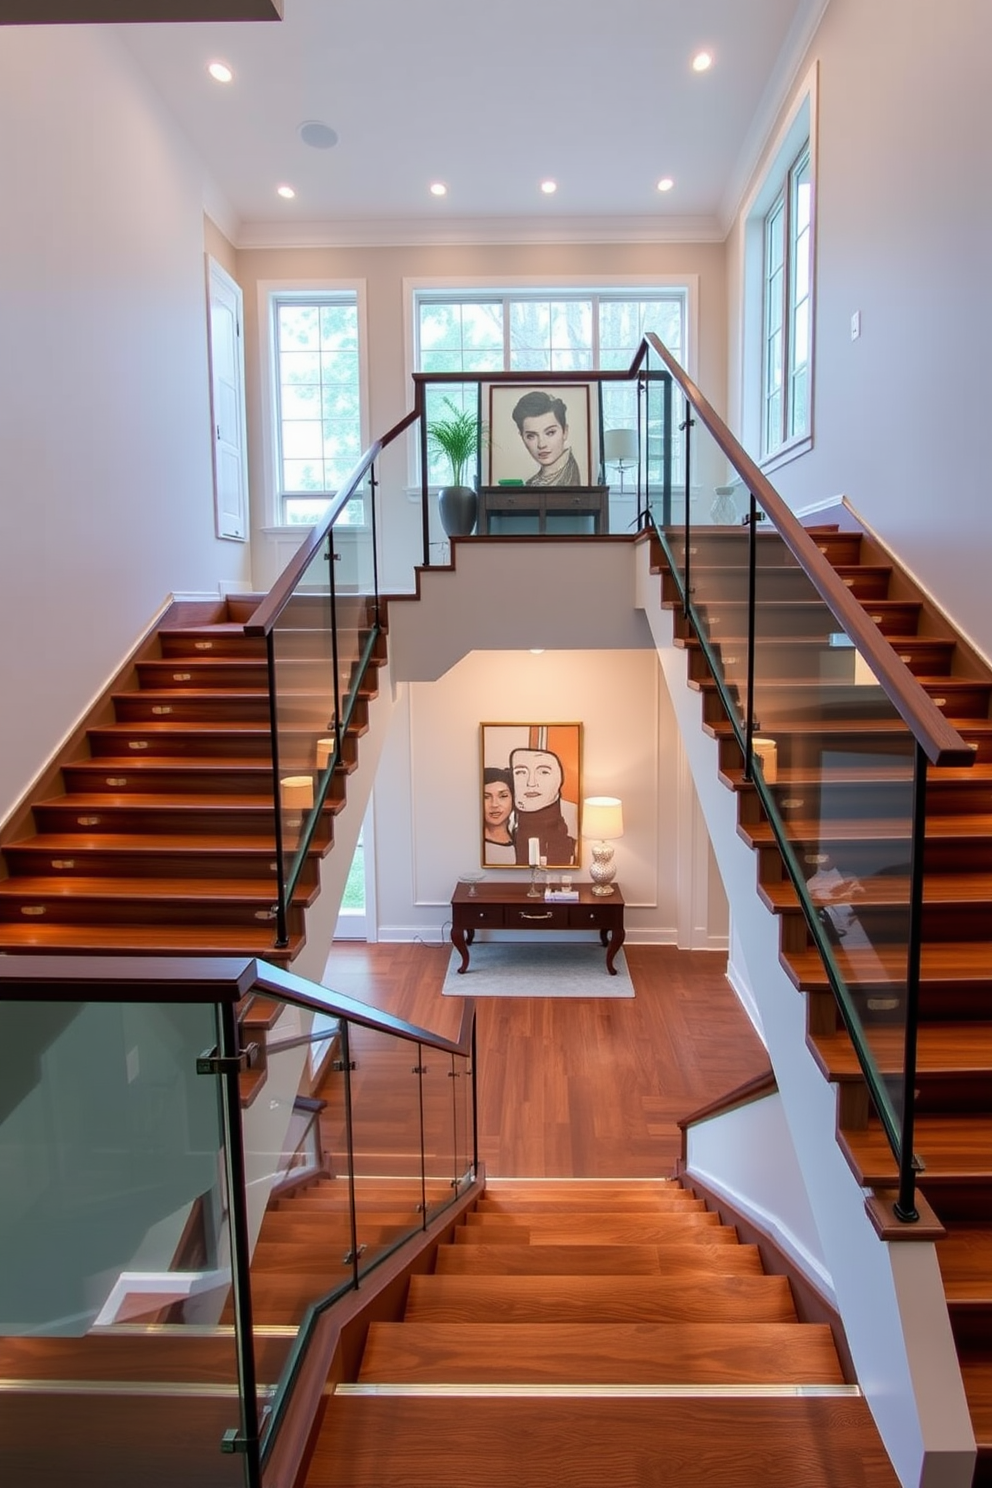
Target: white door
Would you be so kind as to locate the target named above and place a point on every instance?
(227, 394)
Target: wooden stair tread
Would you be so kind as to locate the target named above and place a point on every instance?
(888, 890)
(514, 1233)
(601, 1353)
(594, 1260)
(166, 940)
(438, 1443)
(561, 1188)
(951, 1048)
(965, 1259)
(801, 777)
(951, 1147)
(593, 1204)
(580, 1218)
(247, 890)
(884, 965)
(593, 1299)
(870, 829)
(977, 1377)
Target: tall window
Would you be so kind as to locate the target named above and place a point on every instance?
(542, 331)
(787, 309)
(316, 381)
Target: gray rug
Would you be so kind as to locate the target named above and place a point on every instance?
(537, 969)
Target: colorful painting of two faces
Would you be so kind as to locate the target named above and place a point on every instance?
(531, 789)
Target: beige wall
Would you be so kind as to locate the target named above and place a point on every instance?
(391, 391)
(904, 237)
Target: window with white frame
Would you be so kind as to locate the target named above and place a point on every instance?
(779, 252)
(479, 331)
(787, 306)
(316, 383)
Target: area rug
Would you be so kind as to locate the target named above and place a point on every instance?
(537, 969)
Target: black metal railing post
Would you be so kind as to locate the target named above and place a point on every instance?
(420, 406)
(686, 428)
(373, 486)
(475, 1106)
(905, 1206)
(282, 929)
(349, 1139)
(229, 1045)
(752, 568)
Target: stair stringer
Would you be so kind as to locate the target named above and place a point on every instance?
(322, 915)
(890, 1296)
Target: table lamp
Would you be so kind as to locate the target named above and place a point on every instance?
(602, 822)
(620, 449)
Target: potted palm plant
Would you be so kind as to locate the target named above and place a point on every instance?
(456, 436)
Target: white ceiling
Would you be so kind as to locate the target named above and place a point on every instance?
(489, 98)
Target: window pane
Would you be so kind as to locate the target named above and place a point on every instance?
(302, 440)
(798, 420)
(482, 331)
(319, 424)
(299, 327)
(800, 336)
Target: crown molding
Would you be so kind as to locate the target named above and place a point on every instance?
(416, 232)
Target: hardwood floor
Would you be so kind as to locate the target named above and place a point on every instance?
(578, 1087)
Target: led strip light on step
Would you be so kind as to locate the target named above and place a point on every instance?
(597, 1392)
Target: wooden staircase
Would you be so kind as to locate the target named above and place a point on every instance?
(154, 833)
(587, 1332)
(866, 826)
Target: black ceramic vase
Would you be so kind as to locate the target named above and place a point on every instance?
(459, 508)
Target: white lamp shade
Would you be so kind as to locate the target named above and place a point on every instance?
(620, 444)
(602, 818)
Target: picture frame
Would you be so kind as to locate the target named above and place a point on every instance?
(534, 448)
(530, 790)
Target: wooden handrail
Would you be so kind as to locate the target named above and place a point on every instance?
(742, 1095)
(191, 979)
(941, 743)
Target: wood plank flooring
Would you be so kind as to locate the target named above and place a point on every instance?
(578, 1087)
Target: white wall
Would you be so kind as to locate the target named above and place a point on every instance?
(384, 271)
(104, 405)
(904, 236)
(428, 822)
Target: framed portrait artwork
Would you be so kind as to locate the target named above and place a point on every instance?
(541, 436)
(530, 793)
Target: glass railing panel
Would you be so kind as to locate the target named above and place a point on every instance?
(297, 1180)
(354, 607)
(115, 1251)
(837, 763)
(661, 444)
(464, 1120)
(302, 648)
(386, 1128)
(440, 1100)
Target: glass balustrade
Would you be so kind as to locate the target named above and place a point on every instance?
(115, 1248)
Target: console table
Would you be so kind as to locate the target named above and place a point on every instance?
(506, 906)
(545, 511)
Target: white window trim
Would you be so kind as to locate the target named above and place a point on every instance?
(507, 284)
(799, 123)
(274, 526)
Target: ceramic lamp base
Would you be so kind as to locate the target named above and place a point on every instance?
(603, 870)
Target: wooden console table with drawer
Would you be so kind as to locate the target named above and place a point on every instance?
(544, 511)
(506, 906)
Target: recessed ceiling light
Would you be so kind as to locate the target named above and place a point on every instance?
(537, 650)
(317, 135)
(549, 187)
(220, 72)
(702, 62)
(438, 188)
(666, 183)
(286, 192)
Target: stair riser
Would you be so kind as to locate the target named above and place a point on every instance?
(66, 910)
(239, 821)
(198, 644)
(103, 862)
(716, 549)
(801, 663)
(163, 743)
(864, 801)
(773, 584)
(161, 779)
(886, 927)
(972, 1324)
(811, 618)
(138, 707)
